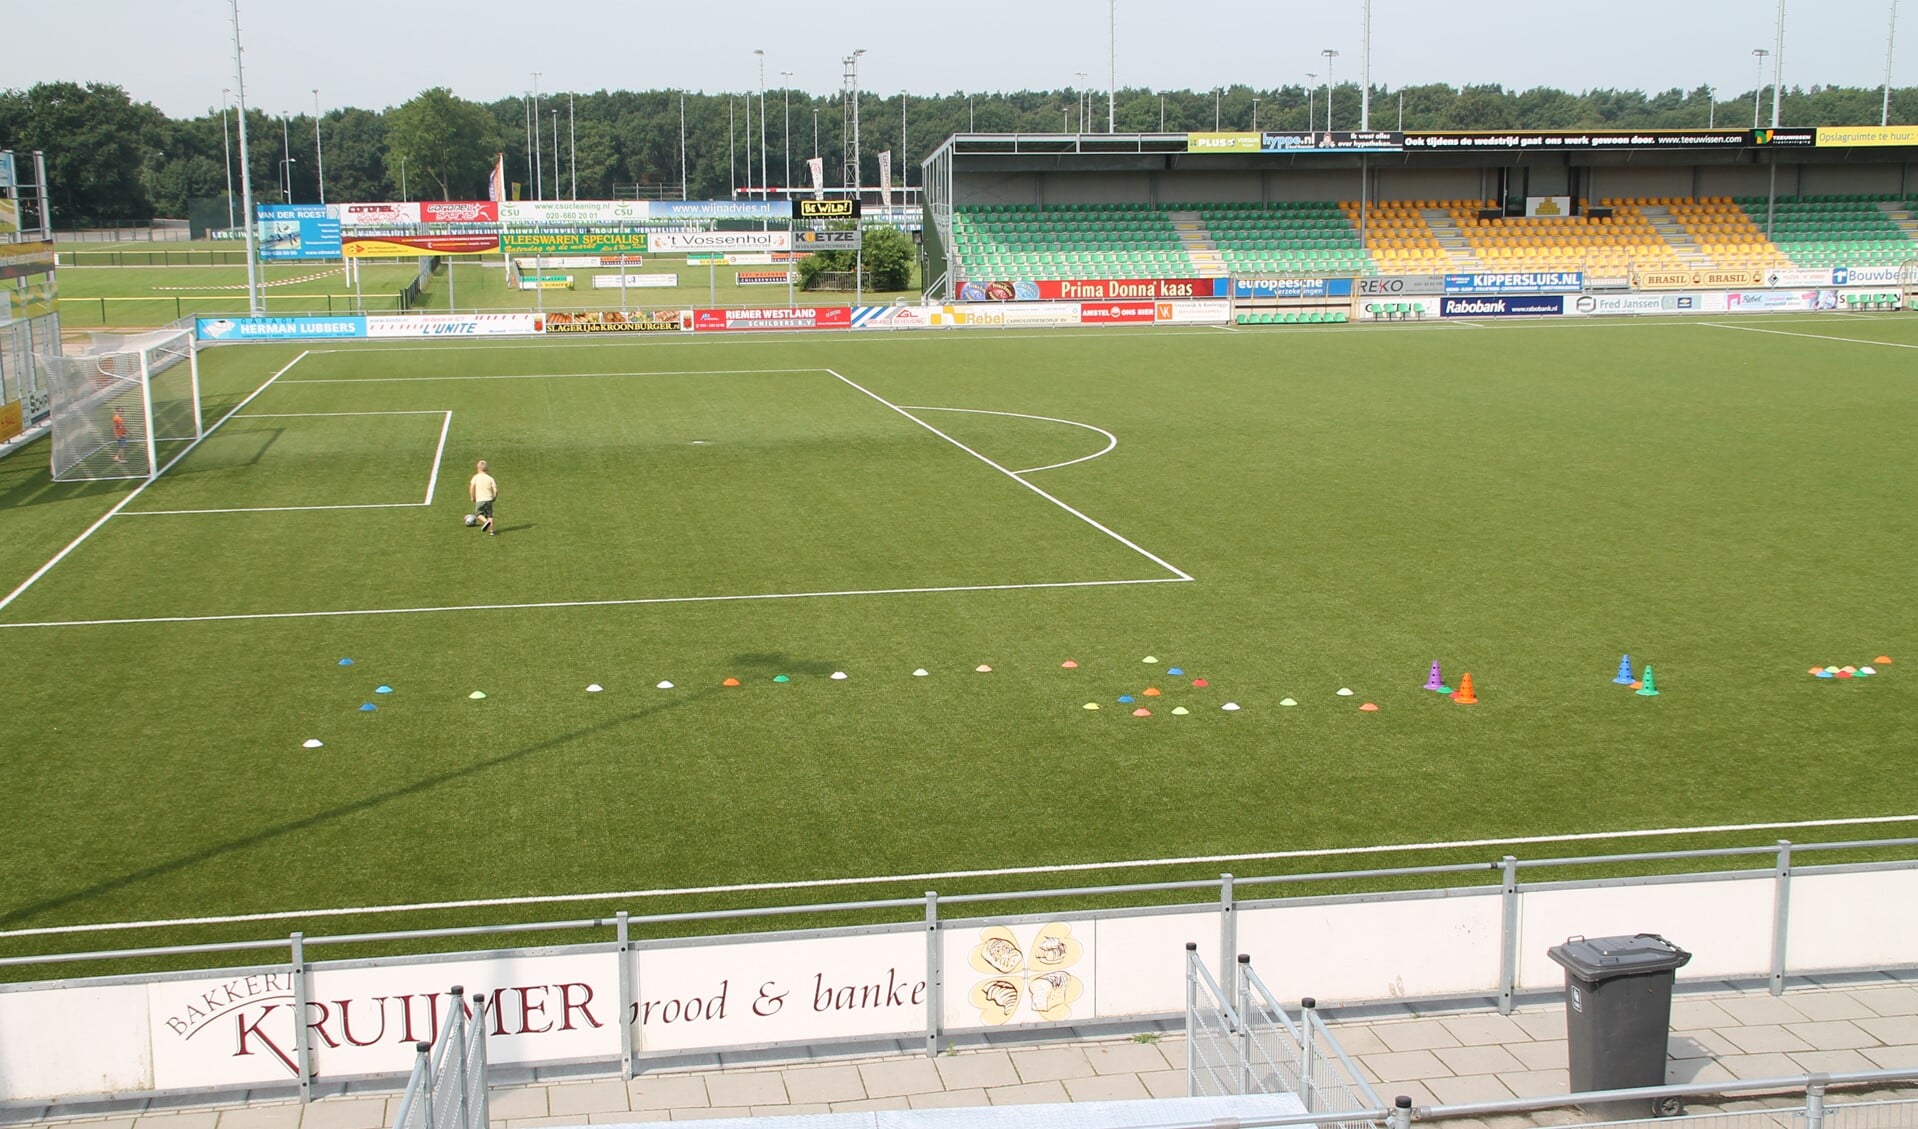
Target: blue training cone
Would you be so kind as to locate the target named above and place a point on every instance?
(1624, 671)
(346, 662)
(367, 707)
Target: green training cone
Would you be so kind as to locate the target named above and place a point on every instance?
(1650, 688)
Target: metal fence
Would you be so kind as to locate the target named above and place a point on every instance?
(447, 1089)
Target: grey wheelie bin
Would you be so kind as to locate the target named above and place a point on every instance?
(1618, 1015)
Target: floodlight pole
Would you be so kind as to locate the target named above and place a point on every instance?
(682, 145)
(246, 176)
(765, 178)
(555, 152)
(1778, 66)
(1255, 114)
(1365, 65)
(1218, 97)
(1891, 32)
(1112, 65)
(572, 147)
(539, 174)
(226, 141)
(1758, 87)
(526, 103)
(732, 146)
(319, 154)
(1329, 56)
(286, 160)
(786, 127)
(1311, 100)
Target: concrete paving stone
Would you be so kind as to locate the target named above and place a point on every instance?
(204, 1119)
(1889, 1001)
(712, 1113)
(1546, 1055)
(1756, 1010)
(1700, 1044)
(505, 1105)
(1164, 1083)
(606, 1096)
(1830, 1005)
(896, 1102)
(1107, 1088)
(1465, 1061)
(1172, 1050)
(667, 1091)
(1684, 1071)
(1833, 1062)
(1414, 1090)
(1360, 1039)
(749, 1088)
(1485, 1029)
(1403, 1067)
(538, 1122)
(345, 1113)
(827, 1084)
(257, 1117)
(1124, 1058)
(1537, 1083)
(610, 1117)
(1760, 1066)
(982, 1070)
(1892, 1030)
(790, 1110)
(1834, 1035)
(1763, 1038)
(1415, 1035)
(1052, 1064)
(1469, 1088)
(1893, 1058)
(900, 1077)
(1542, 1024)
(1689, 1015)
(1032, 1093)
(949, 1099)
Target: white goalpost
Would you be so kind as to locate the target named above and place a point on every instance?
(113, 407)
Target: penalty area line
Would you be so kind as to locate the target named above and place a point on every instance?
(633, 602)
(941, 875)
(140, 489)
(1811, 336)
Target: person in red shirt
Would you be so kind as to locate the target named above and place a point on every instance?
(119, 437)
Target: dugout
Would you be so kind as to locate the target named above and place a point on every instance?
(1515, 169)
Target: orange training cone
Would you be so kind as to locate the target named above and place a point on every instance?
(730, 682)
(1465, 696)
(1152, 691)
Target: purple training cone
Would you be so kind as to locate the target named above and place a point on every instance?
(1437, 680)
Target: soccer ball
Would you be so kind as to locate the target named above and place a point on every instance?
(472, 519)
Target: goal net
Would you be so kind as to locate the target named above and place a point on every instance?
(113, 407)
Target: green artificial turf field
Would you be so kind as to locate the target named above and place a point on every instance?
(1285, 513)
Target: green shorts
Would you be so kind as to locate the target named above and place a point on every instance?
(484, 509)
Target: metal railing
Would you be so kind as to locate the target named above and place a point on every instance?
(447, 1088)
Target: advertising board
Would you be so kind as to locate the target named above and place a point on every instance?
(1866, 136)
(1291, 287)
(9, 217)
(826, 240)
(1516, 305)
(459, 211)
(804, 317)
(1603, 304)
(1588, 140)
(1032, 315)
(573, 242)
(1774, 301)
(277, 329)
(574, 213)
(17, 260)
(765, 277)
(681, 242)
(1222, 142)
(415, 246)
(1515, 282)
(1394, 286)
(1548, 207)
(1333, 141)
(11, 420)
(545, 282)
(718, 209)
(1118, 313)
(452, 325)
(843, 209)
(297, 231)
(1092, 289)
(1834, 276)
(619, 321)
(1198, 311)
(1697, 279)
(390, 214)
(633, 281)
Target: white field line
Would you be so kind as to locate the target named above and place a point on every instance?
(138, 490)
(315, 415)
(1812, 336)
(1134, 546)
(542, 376)
(1111, 439)
(596, 603)
(439, 454)
(941, 875)
(279, 509)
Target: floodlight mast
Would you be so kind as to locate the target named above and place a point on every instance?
(849, 97)
(246, 175)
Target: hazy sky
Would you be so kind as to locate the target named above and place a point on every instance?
(177, 54)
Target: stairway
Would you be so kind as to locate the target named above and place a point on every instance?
(1458, 250)
(1675, 236)
(1207, 262)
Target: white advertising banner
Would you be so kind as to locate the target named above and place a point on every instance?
(581, 212)
(451, 325)
(1834, 276)
(1658, 303)
(392, 214)
(1768, 301)
(1726, 925)
(1548, 207)
(233, 1030)
(1009, 975)
(682, 242)
(1017, 314)
(67, 1042)
(1853, 920)
(1430, 947)
(633, 281)
(1141, 961)
(1204, 311)
(795, 991)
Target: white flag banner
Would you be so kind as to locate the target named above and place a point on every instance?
(818, 167)
(885, 178)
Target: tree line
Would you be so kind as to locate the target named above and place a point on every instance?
(114, 161)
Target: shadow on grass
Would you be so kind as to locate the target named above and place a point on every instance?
(25, 480)
(763, 662)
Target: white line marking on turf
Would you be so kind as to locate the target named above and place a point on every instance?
(1814, 336)
(138, 490)
(1111, 439)
(315, 415)
(539, 376)
(1134, 546)
(599, 603)
(439, 454)
(995, 872)
(280, 509)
